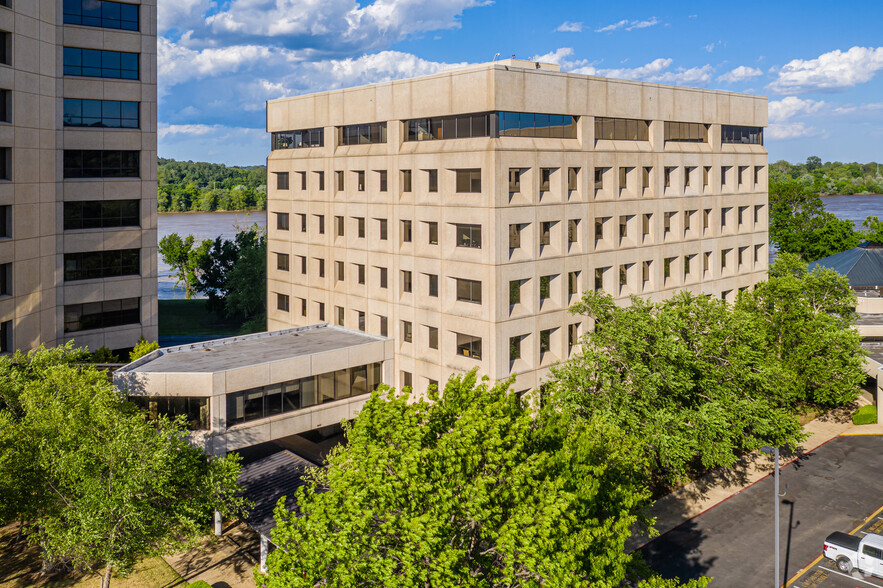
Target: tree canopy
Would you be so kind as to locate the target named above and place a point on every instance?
(187, 186)
(698, 380)
(830, 177)
(96, 482)
(473, 487)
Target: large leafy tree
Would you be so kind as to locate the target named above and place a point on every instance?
(184, 257)
(97, 483)
(470, 488)
(687, 376)
(233, 274)
(799, 223)
(806, 321)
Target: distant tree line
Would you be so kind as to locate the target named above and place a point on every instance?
(186, 186)
(830, 177)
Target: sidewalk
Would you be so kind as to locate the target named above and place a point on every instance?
(225, 562)
(715, 487)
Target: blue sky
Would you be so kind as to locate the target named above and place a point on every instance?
(820, 63)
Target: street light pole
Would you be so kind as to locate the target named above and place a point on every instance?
(775, 451)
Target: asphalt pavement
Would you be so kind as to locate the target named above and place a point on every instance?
(833, 488)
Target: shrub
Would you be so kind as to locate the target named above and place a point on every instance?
(865, 415)
(104, 355)
(143, 348)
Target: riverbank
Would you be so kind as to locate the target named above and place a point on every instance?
(186, 212)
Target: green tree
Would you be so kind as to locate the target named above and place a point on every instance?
(813, 163)
(874, 228)
(469, 488)
(107, 486)
(184, 258)
(806, 320)
(689, 377)
(799, 223)
(233, 274)
(142, 348)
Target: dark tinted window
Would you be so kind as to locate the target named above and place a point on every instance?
(683, 132)
(526, 124)
(195, 410)
(101, 214)
(90, 265)
(101, 13)
(101, 315)
(101, 164)
(96, 63)
(461, 126)
(366, 134)
(621, 129)
(112, 114)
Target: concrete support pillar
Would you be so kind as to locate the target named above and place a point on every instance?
(265, 547)
(219, 524)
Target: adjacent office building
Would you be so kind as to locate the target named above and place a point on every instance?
(77, 172)
(462, 213)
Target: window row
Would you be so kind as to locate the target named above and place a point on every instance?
(101, 164)
(101, 13)
(267, 401)
(366, 134)
(544, 340)
(111, 114)
(101, 315)
(298, 139)
(195, 410)
(745, 135)
(90, 265)
(467, 181)
(98, 63)
(101, 214)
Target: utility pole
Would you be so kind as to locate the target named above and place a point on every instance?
(775, 451)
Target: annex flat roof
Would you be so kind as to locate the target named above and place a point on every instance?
(248, 350)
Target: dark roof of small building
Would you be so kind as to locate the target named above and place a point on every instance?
(267, 480)
(862, 265)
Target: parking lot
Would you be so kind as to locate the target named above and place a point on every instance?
(834, 488)
(824, 574)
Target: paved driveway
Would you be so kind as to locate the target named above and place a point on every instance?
(834, 488)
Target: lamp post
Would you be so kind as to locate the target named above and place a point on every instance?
(775, 452)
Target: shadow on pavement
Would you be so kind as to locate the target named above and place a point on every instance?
(680, 555)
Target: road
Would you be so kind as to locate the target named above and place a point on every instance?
(834, 488)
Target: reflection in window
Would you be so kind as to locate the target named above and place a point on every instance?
(101, 164)
(461, 126)
(90, 265)
(684, 132)
(744, 135)
(102, 214)
(194, 410)
(101, 315)
(366, 134)
(97, 63)
(526, 124)
(112, 114)
(101, 13)
(621, 129)
(299, 139)
(266, 401)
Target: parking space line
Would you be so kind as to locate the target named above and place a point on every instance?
(796, 576)
(854, 579)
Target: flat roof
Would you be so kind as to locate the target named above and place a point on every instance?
(248, 350)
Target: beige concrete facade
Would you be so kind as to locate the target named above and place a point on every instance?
(710, 234)
(36, 189)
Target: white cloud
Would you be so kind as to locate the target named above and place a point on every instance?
(560, 56)
(334, 25)
(832, 71)
(740, 74)
(376, 67)
(629, 25)
(181, 14)
(790, 131)
(570, 27)
(852, 108)
(657, 71)
(792, 106)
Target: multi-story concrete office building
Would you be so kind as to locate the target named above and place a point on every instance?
(77, 172)
(462, 213)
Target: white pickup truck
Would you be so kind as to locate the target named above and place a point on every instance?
(849, 552)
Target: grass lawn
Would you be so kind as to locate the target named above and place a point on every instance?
(190, 317)
(20, 568)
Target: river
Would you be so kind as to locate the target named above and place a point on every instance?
(209, 225)
(202, 225)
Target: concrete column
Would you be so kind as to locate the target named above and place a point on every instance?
(265, 547)
(219, 524)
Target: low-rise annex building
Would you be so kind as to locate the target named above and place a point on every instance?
(463, 213)
(242, 391)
